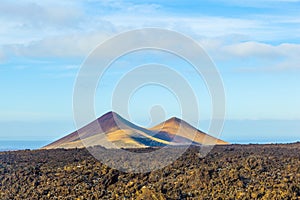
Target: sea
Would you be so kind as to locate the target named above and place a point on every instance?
(14, 145)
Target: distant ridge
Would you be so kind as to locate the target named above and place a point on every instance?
(113, 131)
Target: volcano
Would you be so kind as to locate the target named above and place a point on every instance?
(113, 131)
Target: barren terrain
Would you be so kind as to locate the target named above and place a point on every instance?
(228, 172)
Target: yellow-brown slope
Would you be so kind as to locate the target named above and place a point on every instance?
(175, 126)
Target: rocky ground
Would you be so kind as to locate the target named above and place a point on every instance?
(227, 172)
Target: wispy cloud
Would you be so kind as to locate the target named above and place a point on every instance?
(46, 40)
(64, 46)
(66, 29)
(275, 67)
(261, 50)
(37, 14)
(258, 3)
(2, 56)
(262, 56)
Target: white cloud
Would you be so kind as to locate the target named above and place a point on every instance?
(61, 46)
(64, 28)
(25, 21)
(2, 56)
(286, 65)
(205, 25)
(282, 66)
(257, 3)
(256, 28)
(252, 49)
(35, 14)
(126, 7)
(251, 56)
(80, 45)
(283, 57)
(289, 49)
(72, 29)
(261, 50)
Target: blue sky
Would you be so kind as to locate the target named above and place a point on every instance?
(254, 44)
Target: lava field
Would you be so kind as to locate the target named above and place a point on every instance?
(227, 172)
